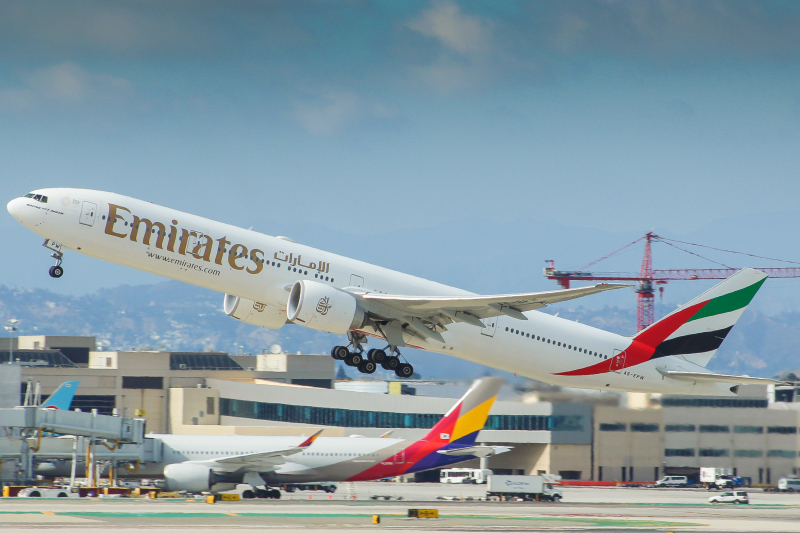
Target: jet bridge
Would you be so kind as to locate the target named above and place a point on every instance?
(29, 419)
(28, 424)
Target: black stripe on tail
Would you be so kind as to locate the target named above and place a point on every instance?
(695, 343)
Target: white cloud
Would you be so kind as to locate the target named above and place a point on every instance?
(465, 34)
(332, 111)
(64, 83)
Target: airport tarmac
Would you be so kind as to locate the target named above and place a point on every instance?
(584, 509)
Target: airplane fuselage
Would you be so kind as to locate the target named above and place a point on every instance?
(263, 268)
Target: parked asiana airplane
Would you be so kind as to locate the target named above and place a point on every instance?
(269, 281)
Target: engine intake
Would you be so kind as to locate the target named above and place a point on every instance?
(324, 308)
(190, 477)
(254, 313)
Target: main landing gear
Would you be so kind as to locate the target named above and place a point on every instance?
(374, 357)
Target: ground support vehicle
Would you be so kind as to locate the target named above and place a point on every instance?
(464, 475)
(734, 496)
(527, 488)
(672, 481)
(786, 484)
(43, 492)
(330, 488)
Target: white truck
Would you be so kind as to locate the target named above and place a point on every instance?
(527, 488)
(464, 475)
(717, 478)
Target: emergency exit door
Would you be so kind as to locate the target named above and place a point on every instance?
(88, 213)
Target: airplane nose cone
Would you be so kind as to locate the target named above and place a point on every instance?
(14, 207)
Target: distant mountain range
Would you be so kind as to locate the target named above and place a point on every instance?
(175, 316)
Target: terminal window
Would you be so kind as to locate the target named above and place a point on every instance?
(613, 427)
(327, 416)
(788, 454)
(748, 453)
(142, 382)
(644, 428)
(783, 430)
(679, 452)
(680, 427)
(711, 428)
(748, 429)
(714, 452)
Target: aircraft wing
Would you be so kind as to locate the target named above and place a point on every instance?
(424, 313)
(476, 451)
(261, 460)
(719, 378)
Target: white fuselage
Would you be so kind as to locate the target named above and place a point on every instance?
(262, 268)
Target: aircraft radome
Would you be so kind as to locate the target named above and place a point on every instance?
(269, 281)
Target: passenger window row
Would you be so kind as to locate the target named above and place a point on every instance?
(560, 344)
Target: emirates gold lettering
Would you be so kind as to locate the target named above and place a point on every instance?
(194, 243)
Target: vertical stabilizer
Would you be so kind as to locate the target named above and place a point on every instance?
(696, 330)
(62, 397)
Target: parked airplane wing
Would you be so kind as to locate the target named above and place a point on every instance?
(471, 308)
(719, 378)
(476, 451)
(263, 459)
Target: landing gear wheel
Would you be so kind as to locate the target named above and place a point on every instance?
(248, 494)
(56, 271)
(379, 356)
(353, 359)
(275, 494)
(391, 363)
(367, 367)
(339, 353)
(404, 370)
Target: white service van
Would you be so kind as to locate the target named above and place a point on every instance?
(789, 485)
(672, 481)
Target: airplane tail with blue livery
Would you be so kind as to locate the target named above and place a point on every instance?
(62, 397)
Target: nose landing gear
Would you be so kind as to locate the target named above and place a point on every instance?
(55, 271)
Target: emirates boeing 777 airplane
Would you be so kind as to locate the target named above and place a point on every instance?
(270, 281)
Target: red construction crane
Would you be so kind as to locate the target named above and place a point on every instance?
(647, 277)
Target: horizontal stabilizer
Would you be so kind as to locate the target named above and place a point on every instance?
(717, 378)
(477, 451)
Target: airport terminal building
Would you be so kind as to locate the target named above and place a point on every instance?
(293, 394)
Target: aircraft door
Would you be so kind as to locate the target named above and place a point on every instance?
(618, 361)
(356, 281)
(88, 213)
(489, 326)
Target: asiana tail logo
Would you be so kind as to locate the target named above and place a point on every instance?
(323, 306)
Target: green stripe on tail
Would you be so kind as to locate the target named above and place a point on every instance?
(728, 302)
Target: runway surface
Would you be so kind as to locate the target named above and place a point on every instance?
(584, 509)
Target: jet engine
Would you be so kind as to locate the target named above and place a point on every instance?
(254, 313)
(190, 477)
(324, 308)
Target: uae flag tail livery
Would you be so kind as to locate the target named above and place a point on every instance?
(449, 441)
(691, 334)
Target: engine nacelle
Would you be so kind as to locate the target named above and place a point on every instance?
(190, 477)
(324, 308)
(254, 313)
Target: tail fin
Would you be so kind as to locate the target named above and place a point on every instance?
(696, 330)
(62, 397)
(456, 430)
(467, 417)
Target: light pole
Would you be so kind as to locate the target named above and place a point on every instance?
(11, 327)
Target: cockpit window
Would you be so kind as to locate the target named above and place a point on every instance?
(37, 197)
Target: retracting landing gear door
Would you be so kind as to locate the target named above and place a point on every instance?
(489, 326)
(88, 213)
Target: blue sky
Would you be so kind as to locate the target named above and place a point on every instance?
(381, 125)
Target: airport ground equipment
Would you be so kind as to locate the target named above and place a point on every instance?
(527, 488)
(464, 475)
(28, 424)
(788, 485)
(647, 278)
